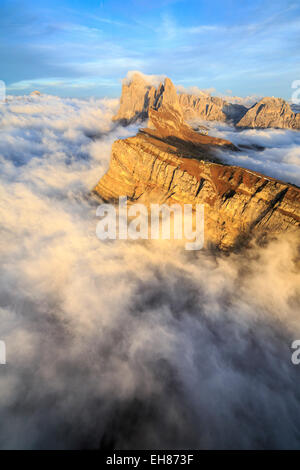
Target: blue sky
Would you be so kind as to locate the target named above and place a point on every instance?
(84, 47)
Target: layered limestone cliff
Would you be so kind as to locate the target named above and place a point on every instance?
(271, 112)
(171, 163)
(167, 123)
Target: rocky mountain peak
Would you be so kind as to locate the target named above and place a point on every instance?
(270, 112)
(139, 95)
(135, 98)
(166, 96)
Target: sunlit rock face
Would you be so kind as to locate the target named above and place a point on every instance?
(210, 108)
(168, 162)
(271, 112)
(138, 96)
(205, 107)
(171, 163)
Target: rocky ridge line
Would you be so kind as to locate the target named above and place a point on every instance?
(138, 97)
(170, 163)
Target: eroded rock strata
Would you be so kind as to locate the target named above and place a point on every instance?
(171, 163)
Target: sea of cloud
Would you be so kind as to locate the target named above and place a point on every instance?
(126, 344)
(274, 152)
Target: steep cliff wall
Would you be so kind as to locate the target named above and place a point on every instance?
(136, 98)
(172, 163)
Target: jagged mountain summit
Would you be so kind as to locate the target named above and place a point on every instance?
(271, 112)
(170, 163)
(138, 96)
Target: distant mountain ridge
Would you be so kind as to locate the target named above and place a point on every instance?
(139, 96)
(270, 112)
